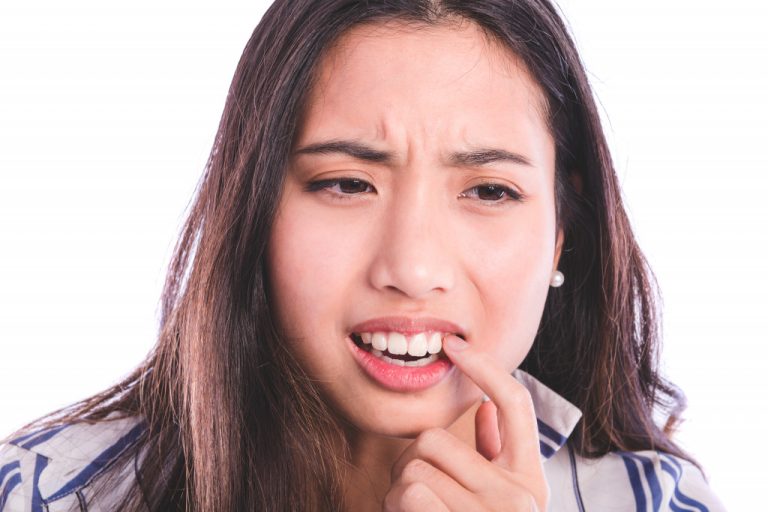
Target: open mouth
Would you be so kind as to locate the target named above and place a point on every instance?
(402, 362)
(394, 348)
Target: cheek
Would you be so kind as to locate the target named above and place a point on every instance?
(311, 270)
(513, 282)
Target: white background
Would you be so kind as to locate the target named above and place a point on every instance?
(107, 114)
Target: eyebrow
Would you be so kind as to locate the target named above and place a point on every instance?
(360, 151)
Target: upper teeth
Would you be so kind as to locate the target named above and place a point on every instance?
(396, 343)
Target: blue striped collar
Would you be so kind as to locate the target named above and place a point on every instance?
(556, 417)
(69, 447)
(78, 451)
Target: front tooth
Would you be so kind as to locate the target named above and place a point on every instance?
(379, 341)
(366, 337)
(434, 343)
(417, 345)
(397, 344)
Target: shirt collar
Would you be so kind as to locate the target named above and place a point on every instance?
(556, 417)
(68, 447)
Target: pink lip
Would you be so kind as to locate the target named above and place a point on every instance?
(400, 378)
(407, 326)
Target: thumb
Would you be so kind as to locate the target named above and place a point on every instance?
(487, 437)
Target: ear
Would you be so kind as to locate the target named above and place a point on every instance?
(558, 248)
(576, 182)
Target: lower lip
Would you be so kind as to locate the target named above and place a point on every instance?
(400, 378)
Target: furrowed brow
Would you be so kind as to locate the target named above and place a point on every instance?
(360, 151)
(351, 148)
(486, 156)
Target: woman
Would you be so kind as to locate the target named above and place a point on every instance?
(409, 205)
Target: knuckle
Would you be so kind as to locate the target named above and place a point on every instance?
(415, 495)
(415, 470)
(520, 394)
(518, 397)
(430, 437)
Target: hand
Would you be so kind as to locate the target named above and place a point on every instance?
(439, 472)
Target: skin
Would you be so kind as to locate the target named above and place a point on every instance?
(416, 237)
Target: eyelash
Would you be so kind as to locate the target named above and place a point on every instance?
(316, 186)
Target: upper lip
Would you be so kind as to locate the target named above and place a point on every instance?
(408, 326)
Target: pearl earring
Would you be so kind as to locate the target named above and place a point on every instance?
(557, 279)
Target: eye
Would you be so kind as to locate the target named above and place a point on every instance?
(492, 193)
(341, 186)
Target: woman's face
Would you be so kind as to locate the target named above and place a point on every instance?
(419, 199)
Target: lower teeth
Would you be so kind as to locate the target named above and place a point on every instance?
(399, 362)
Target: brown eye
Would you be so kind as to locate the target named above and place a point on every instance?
(493, 193)
(490, 193)
(341, 186)
(352, 186)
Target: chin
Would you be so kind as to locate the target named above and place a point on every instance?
(408, 416)
(405, 429)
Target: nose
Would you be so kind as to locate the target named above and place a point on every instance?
(414, 256)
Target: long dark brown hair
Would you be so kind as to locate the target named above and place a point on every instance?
(232, 421)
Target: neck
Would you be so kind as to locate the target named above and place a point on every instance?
(373, 456)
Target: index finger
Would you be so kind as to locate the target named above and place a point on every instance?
(518, 430)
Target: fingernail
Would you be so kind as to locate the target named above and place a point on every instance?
(455, 343)
(486, 398)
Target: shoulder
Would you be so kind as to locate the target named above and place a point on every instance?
(58, 465)
(644, 481)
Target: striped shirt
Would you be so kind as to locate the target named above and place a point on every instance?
(56, 469)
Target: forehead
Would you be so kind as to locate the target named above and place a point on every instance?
(452, 73)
